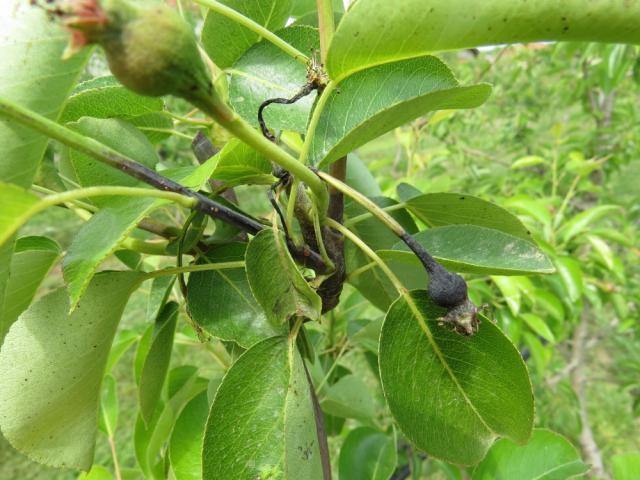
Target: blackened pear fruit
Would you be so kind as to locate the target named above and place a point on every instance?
(448, 290)
(150, 48)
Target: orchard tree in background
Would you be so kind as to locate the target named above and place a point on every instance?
(268, 293)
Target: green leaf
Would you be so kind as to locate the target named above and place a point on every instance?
(265, 71)
(636, 71)
(581, 221)
(438, 209)
(141, 353)
(301, 8)
(539, 353)
(452, 395)
(18, 205)
(360, 178)
(239, 164)
(535, 208)
(156, 363)
(547, 456)
(99, 238)
(474, 249)
(149, 440)
(512, 289)
(105, 97)
(103, 233)
(602, 251)
(626, 466)
(225, 40)
(109, 410)
(375, 101)
(155, 126)
(32, 259)
(34, 75)
(368, 336)
(349, 397)
(221, 302)
(538, 325)
(527, 161)
(550, 303)
(571, 276)
(97, 472)
(367, 454)
(158, 295)
(406, 192)
(185, 450)
(122, 137)
(52, 364)
(276, 282)
(261, 423)
(6, 251)
(376, 31)
(124, 340)
(304, 8)
(130, 258)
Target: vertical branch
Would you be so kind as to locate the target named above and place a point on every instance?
(333, 285)
(337, 170)
(325, 26)
(588, 443)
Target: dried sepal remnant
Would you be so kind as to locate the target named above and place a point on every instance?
(316, 74)
(462, 319)
(149, 47)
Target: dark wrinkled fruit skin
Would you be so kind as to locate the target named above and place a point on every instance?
(446, 289)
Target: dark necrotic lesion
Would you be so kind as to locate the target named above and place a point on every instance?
(304, 91)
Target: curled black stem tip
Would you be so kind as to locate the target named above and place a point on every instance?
(304, 91)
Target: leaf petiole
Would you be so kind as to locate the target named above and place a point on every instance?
(369, 252)
(255, 27)
(195, 268)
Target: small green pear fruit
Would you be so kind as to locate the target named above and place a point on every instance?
(149, 47)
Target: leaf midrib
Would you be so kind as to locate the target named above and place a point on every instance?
(557, 467)
(425, 328)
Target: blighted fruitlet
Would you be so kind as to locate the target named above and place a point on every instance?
(149, 47)
(448, 290)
